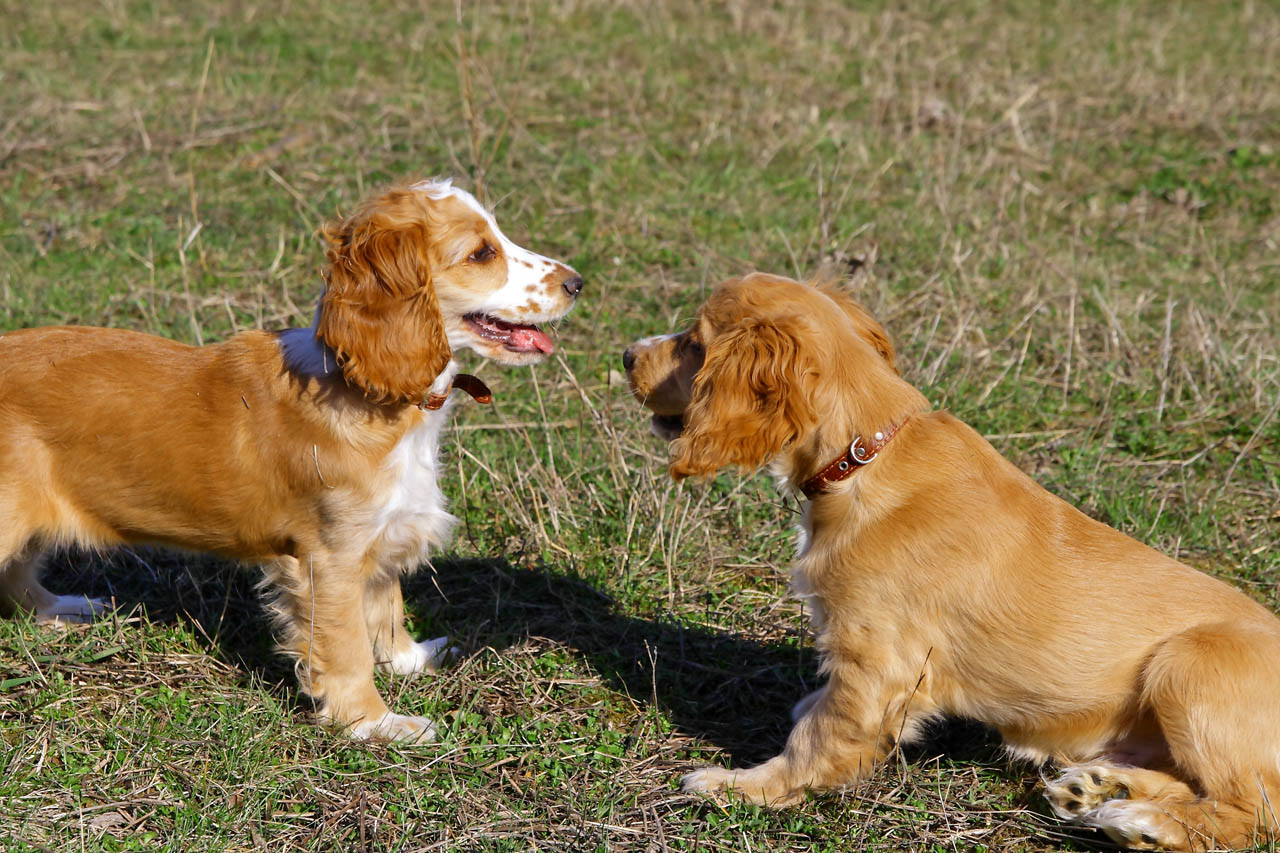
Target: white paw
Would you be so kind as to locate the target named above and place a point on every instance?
(707, 780)
(395, 727)
(1134, 824)
(71, 610)
(426, 656)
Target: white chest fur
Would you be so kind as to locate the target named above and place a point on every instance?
(801, 586)
(412, 518)
(408, 515)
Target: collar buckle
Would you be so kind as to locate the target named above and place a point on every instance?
(858, 454)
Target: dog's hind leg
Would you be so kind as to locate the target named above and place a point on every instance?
(1213, 690)
(1121, 801)
(1151, 810)
(21, 590)
(24, 537)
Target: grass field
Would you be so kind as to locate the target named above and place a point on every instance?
(1068, 216)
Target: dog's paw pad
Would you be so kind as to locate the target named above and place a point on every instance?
(71, 610)
(1080, 790)
(397, 728)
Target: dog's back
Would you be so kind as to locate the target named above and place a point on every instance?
(110, 436)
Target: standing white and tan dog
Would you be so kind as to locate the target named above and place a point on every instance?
(944, 581)
(310, 451)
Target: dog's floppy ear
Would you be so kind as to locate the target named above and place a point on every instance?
(871, 331)
(750, 399)
(379, 312)
(862, 322)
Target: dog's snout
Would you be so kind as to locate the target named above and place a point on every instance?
(628, 359)
(573, 286)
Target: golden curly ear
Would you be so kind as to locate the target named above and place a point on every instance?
(750, 400)
(379, 312)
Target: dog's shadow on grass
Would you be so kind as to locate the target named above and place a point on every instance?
(729, 690)
(723, 688)
(215, 599)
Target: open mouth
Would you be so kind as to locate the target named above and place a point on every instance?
(667, 427)
(517, 337)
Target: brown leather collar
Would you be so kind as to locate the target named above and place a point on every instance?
(854, 457)
(473, 385)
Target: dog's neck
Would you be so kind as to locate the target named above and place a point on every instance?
(862, 451)
(876, 401)
(309, 357)
(306, 355)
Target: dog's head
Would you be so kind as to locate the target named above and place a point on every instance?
(419, 271)
(765, 363)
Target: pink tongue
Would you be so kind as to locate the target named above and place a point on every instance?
(529, 338)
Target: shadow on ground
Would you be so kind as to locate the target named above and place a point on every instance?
(725, 689)
(212, 596)
(729, 690)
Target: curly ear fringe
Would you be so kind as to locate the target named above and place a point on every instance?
(379, 312)
(750, 400)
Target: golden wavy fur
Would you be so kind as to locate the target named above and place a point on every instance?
(274, 448)
(943, 581)
(376, 316)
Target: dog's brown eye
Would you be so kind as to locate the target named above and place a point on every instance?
(484, 253)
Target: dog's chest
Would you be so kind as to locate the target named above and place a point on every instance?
(412, 517)
(802, 586)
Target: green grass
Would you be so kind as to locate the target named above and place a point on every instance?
(1067, 217)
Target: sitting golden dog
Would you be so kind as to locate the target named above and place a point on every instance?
(944, 581)
(311, 451)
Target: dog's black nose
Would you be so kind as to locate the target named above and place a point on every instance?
(628, 358)
(573, 286)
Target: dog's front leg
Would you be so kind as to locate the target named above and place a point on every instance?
(844, 731)
(322, 606)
